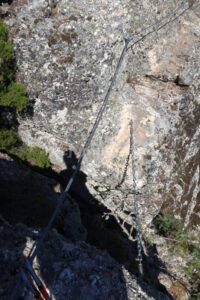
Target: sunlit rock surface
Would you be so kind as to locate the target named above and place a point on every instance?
(66, 52)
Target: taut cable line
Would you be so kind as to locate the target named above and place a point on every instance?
(136, 198)
(37, 245)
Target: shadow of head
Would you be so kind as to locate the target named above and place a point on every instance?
(70, 159)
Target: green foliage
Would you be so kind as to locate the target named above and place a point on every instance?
(3, 31)
(28, 193)
(6, 76)
(180, 240)
(8, 139)
(11, 93)
(165, 223)
(35, 156)
(11, 143)
(192, 270)
(6, 51)
(6, 57)
(172, 228)
(16, 95)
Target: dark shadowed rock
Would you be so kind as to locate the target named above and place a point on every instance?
(30, 197)
(70, 271)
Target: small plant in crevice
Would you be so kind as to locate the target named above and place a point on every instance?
(192, 270)
(12, 144)
(173, 230)
(181, 241)
(14, 95)
(8, 140)
(35, 156)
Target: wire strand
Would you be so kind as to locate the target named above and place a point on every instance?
(64, 195)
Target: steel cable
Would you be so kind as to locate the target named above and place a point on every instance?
(136, 199)
(62, 198)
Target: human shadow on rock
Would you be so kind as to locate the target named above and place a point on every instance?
(106, 233)
(26, 196)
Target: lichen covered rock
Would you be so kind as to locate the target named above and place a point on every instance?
(66, 53)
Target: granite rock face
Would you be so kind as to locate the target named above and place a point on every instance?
(66, 52)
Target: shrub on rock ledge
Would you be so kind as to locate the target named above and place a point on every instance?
(15, 95)
(6, 57)
(8, 139)
(11, 92)
(35, 156)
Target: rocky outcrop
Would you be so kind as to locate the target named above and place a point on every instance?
(68, 266)
(66, 53)
(22, 188)
(30, 197)
(70, 271)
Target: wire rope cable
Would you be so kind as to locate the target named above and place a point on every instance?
(99, 116)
